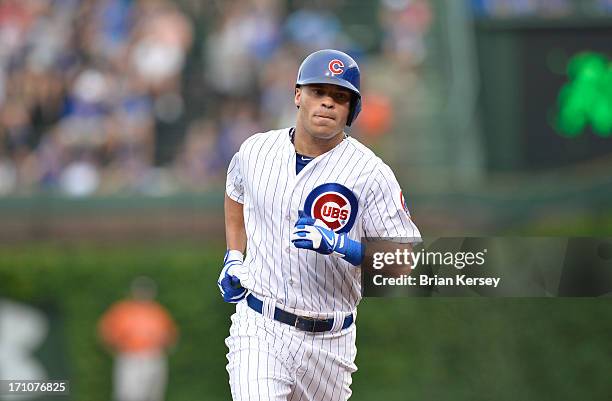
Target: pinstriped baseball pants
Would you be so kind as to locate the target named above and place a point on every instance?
(272, 361)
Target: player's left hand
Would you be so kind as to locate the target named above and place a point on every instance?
(313, 234)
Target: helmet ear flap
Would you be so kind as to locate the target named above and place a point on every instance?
(354, 110)
(349, 118)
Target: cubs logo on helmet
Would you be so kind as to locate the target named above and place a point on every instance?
(336, 66)
(333, 204)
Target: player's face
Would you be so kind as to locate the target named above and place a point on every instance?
(323, 109)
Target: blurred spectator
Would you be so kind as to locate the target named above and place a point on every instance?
(248, 33)
(139, 331)
(313, 28)
(405, 24)
(198, 161)
(277, 82)
(237, 121)
(376, 117)
(162, 37)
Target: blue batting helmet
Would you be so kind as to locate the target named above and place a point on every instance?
(332, 67)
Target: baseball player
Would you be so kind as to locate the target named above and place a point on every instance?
(299, 200)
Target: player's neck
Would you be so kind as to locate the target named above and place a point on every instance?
(308, 145)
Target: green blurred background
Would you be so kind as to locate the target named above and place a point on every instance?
(118, 119)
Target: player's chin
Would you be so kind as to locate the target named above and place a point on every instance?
(325, 134)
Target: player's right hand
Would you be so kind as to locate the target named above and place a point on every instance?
(313, 234)
(234, 277)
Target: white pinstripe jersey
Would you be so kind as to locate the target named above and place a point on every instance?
(262, 176)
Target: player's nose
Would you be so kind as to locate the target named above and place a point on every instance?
(328, 102)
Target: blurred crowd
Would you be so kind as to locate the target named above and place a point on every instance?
(82, 84)
(155, 96)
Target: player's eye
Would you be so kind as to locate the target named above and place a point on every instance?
(341, 97)
(318, 91)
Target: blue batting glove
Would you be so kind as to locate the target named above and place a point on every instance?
(313, 234)
(233, 277)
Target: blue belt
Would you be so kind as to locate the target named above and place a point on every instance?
(299, 322)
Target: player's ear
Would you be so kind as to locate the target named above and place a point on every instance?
(297, 96)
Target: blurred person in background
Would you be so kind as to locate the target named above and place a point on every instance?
(161, 38)
(313, 26)
(247, 34)
(198, 161)
(139, 331)
(237, 121)
(277, 79)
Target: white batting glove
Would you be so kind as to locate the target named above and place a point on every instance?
(235, 278)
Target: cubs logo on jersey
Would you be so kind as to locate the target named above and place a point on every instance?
(334, 204)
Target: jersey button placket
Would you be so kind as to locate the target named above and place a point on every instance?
(291, 216)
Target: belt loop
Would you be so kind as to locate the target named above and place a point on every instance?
(268, 308)
(338, 322)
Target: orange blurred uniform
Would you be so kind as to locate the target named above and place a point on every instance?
(137, 326)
